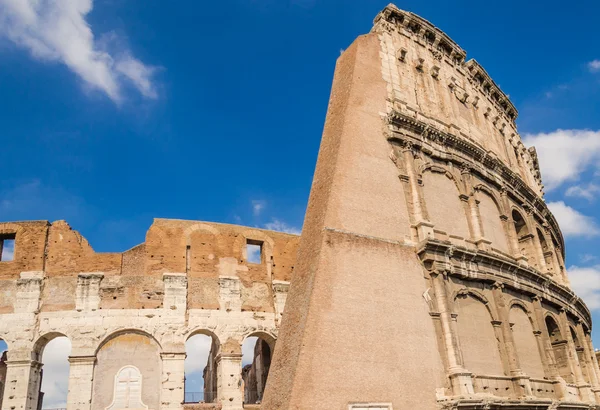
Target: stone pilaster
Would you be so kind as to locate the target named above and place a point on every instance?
(29, 288)
(230, 293)
(173, 380)
(175, 297)
(87, 295)
(521, 381)
(420, 220)
(81, 375)
(230, 388)
(460, 378)
(280, 292)
(22, 384)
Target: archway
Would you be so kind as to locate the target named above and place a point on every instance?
(559, 348)
(53, 352)
(124, 361)
(201, 368)
(526, 344)
(479, 345)
(525, 239)
(256, 362)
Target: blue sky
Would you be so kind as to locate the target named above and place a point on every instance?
(120, 111)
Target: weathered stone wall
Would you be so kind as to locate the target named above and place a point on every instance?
(138, 308)
(430, 273)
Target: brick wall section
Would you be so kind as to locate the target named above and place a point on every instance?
(134, 279)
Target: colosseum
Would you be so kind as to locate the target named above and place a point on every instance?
(429, 274)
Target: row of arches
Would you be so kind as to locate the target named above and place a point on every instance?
(476, 213)
(127, 370)
(543, 351)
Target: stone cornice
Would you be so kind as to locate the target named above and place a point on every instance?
(443, 145)
(489, 267)
(440, 44)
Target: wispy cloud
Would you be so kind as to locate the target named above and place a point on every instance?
(58, 31)
(586, 284)
(587, 191)
(594, 66)
(258, 205)
(280, 226)
(565, 154)
(55, 383)
(572, 222)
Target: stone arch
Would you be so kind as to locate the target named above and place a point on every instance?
(127, 347)
(491, 212)
(526, 343)
(559, 347)
(256, 362)
(474, 293)
(479, 345)
(442, 197)
(127, 330)
(546, 249)
(524, 237)
(204, 243)
(202, 348)
(54, 373)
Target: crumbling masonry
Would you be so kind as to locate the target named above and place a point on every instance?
(429, 274)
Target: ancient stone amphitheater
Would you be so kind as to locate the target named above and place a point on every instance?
(429, 274)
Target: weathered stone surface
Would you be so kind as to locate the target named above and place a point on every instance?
(429, 274)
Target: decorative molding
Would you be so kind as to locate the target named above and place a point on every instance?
(445, 146)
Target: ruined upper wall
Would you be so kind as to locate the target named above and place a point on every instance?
(206, 253)
(432, 83)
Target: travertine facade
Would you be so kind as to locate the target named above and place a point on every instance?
(429, 274)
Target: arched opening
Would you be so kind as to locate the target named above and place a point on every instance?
(525, 239)
(559, 256)
(256, 361)
(526, 343)
(546, 250)
(478, 342)
(580, 356)
(201, 369)
(3, 358)
(560, 349)
(128, 370)
(53, 352)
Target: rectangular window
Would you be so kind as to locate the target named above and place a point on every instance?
(7, 247)
(253, 251)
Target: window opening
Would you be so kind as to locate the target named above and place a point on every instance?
(7, 247)
(254, 251)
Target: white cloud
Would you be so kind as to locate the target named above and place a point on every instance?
(573, 223)
(58, 31)
(280, 226)
(588, 191)
(55, 383)
(586, 284)
(258, 205)
(248, 350)
(565, 154)
(594, 66)
(197, 349)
